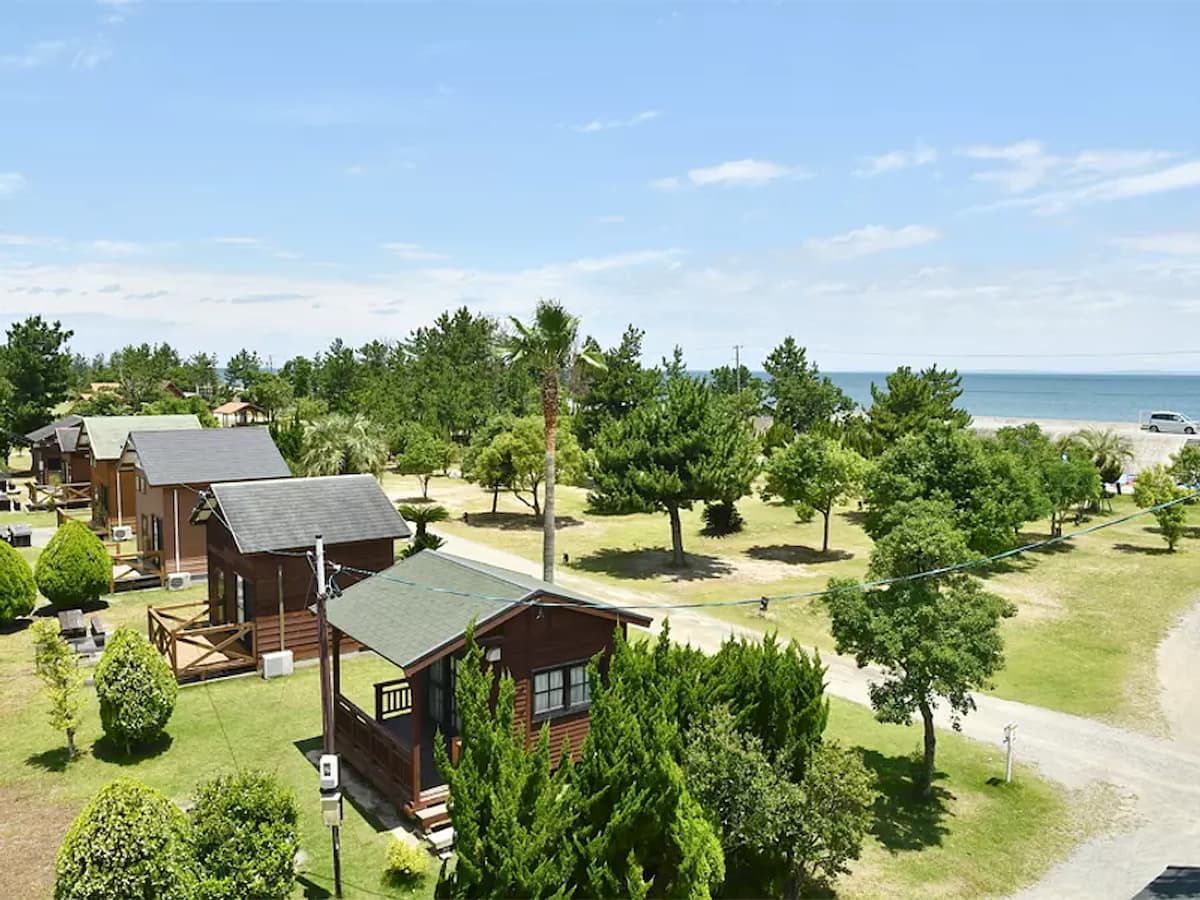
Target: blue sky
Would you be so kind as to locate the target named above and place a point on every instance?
(985, 186)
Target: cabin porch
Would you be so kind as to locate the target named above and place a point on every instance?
(59, 496)
(196, 649)
(392, 745)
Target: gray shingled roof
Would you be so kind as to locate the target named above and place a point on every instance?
(288, 513)
(397, 615)
(68, 437)
(107, 434)
(208, 455)
(48, 431)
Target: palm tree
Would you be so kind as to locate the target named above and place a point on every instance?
(1109, 452)
(339, 444)
(548, 344)
(423, 516)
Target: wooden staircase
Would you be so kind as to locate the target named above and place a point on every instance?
(435, 827)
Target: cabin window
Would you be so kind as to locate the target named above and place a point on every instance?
(547, 691)
(581, 689)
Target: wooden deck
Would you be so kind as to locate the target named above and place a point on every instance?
(59, 496)
(195, 649)
(137, 570)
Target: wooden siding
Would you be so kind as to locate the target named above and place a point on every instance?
(193, 539)
(263, 572)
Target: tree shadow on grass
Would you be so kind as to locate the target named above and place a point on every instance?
(516, 521)
(797, 555)
(89, 606)
(854, 517)
(110, 751)
(1136, 548)
(903, 820)
(16, 625)
(55, 760)
(312, 890)
(1028, 560)
(649, 563)
(416, 501)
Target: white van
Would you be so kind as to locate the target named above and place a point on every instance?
(1171, 423)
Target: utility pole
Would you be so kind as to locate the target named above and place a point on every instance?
(1010, 738)
(737, 365)
(327, 716)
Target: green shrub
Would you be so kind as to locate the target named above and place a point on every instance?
(129, 841)
(74, 567)
(406, 864)
(17, 591)
(721, 519)
(136, 690)
(246, 839)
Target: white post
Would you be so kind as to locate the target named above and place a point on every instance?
(175, 500)
(1010, 738)
(119, 519)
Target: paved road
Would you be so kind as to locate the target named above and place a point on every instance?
(1161, 778)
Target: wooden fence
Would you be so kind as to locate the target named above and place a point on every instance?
(392, 699)
(374, 752)
(146, 569)
(54, 496)
(195, 649)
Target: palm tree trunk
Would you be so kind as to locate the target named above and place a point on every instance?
(550, 414)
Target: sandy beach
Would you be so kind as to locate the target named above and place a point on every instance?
(1148, 449)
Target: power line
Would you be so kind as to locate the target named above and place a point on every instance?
(804, 595)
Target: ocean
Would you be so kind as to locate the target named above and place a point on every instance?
(1107, 398)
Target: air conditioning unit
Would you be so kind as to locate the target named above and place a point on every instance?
(277, 664)
(178, 581)
(121, 533)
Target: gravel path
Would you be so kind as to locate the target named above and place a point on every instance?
(1161, 778)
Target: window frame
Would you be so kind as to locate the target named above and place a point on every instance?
(565, 707)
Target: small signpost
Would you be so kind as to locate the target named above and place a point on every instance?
(1010, 738)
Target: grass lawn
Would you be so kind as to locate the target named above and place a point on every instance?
(1090, 613)
(241, 722)
(977, 839)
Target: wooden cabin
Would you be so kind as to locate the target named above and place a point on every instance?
(237, 413)
(102, 439)
(47, 451)
(259, 534)
(171, 469)
(414, 615)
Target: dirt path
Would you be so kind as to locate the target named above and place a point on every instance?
(1161, 778)
(1179, 677)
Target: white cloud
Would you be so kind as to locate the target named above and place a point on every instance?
(743, 172)
(621, 260)
(286, 254)
(412, 252)
(872, 239)
(1178, 243)
(238, 241)
(896, 160)
(40, 53)
(1174, 178)
(11, 182)
(611, 219)
(118, 248)
(354, 170)
(670, 183)
(609, 124)
(26, 240)
(1109, 161)
(1029, 164)
(91, 53)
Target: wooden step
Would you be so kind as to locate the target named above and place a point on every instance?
(442, 839)
(432, 817)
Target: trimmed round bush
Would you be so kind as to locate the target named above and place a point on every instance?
(136, 689)
(74, 567)
(129, 841)
(17, 591)
(406, 865)
(245, 832)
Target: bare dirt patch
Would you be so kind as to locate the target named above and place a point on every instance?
(31, 828)
(1034, 602)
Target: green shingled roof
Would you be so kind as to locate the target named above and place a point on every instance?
(409, 612)
(107, 434)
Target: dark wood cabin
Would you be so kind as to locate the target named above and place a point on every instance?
(76, 463)
(414, 615)
(171, 469)
(259, 534)
(47, 451)
(102, 439)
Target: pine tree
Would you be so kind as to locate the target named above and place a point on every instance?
(641, 834)
(510, 812)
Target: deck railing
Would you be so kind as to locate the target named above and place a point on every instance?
(146, 564)
(52, 496)
(196, 649)
(374, 752)
(392, 699)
